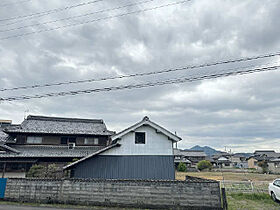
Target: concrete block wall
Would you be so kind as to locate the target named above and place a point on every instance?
(123, 193)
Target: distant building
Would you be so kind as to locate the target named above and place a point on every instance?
(221, 160)
(274, 165)
(224, 162)
(4, 123)
(142, 151)
(238, 161)
(180, 158)
(253, 162)
(266, 153)
(268, 156)
(190, 157)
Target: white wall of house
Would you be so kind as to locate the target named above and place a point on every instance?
(156, 144)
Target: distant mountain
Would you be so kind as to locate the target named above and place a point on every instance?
(208, 150)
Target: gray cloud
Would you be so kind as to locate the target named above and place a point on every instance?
(240, 112)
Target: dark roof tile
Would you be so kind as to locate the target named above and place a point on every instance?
(38, 151)
(56, 125)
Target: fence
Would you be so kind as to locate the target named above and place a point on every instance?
(193, 193)
(245, 186)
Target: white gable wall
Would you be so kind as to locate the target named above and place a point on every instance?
(156, 144)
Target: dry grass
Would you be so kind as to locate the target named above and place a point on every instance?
(233, 176)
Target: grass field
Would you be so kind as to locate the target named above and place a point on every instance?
(233, 176)
(247, 201)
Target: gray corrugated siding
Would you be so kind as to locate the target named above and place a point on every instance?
(126, 167)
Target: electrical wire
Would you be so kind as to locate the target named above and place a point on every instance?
(50, 11)
(77, 16)
(91, 21)
(14, 3)
(141, 85)
(198, 66)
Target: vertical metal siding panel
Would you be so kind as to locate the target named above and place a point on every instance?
(126, 167)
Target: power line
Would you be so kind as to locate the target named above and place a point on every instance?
(50, 11)
(77, 16)
(244, 59)
(94, 20)
(142, 85)
(14, 3)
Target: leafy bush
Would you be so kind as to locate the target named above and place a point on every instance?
(37, 171)
(182, 167)
(52, 170)
(204, 164)
(40, 171)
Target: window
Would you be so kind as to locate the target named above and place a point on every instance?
(94, 141)
(71, 140)
(34, 140)
(139, 138)
(277, 183)
(66, 140)
(21, 139)
(63, 140)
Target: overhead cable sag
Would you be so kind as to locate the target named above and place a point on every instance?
(139, 74)
(92, 21)
(76, 16)
(50, 11)
(142, 85)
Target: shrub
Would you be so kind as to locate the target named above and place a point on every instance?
(52, 171)
(40, 171)
(204, 164)
(182, 167)
(36, 171)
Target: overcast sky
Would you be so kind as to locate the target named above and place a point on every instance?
(240, 112)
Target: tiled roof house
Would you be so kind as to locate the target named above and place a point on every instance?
(43, 140)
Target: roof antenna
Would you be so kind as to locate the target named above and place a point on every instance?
(176, 142)
(26, 113)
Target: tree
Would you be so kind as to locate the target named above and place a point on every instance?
(204, 164)
(263, 164)
(182, 167)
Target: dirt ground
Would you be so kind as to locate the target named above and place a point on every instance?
(233, 176)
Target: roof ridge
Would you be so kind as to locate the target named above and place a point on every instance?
(61, 119)
(147, 121)
(54, 146)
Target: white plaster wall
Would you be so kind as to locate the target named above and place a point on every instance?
(156, 144)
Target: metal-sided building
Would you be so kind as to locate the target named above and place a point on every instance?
(142, 151)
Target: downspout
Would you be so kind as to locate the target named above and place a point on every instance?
(4, 170)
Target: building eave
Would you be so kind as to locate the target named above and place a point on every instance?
(91, 155)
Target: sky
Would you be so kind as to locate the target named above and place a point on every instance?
(239, 112)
